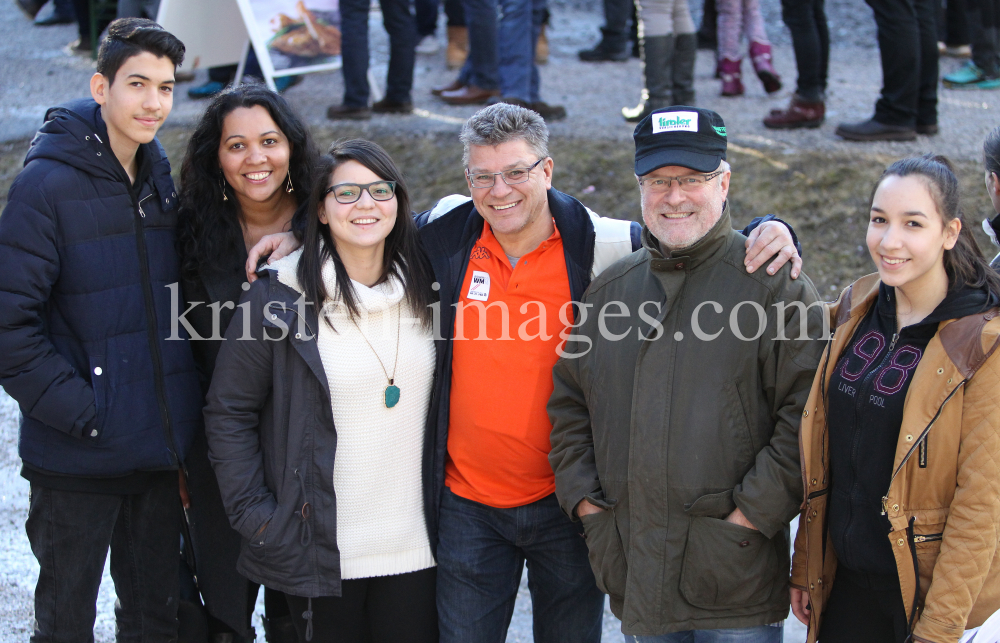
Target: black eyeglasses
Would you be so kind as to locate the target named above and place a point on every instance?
(510, 177)
(351, 192)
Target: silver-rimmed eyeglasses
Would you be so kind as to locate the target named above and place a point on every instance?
(351, 192)
(687, 183)
(510, 177)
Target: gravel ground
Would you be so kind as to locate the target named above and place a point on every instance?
(36, 72)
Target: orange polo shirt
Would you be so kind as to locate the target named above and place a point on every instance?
(498, 434)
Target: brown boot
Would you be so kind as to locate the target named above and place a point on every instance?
(800, 113)
(458, 47)
(542, 48)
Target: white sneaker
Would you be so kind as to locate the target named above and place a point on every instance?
(428, 45)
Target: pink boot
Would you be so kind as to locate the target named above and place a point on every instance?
(729, 72)
(760, 54)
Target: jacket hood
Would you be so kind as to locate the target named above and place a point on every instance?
(959, 303)
(962, 302)
(702, 250)
(74, 133)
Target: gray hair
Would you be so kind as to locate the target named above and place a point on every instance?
(502, 123)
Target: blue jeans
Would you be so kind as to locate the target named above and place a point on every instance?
(397, 17)
(520, 25)
(70, 533)
(481, 552)
(758, 634)
(481, 66)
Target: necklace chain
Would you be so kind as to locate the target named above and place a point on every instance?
(395, 362)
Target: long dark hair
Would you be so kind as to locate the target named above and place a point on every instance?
(210, 232)
(402, 257)
(964, 263)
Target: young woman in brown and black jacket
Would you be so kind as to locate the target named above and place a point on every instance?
(900, 438)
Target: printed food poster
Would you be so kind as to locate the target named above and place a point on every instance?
(299, 35)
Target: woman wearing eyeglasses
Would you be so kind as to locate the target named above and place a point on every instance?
(317, 409)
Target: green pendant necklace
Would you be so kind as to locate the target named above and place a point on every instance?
(391, 394)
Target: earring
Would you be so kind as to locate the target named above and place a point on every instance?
(289, 188)
(222, 186)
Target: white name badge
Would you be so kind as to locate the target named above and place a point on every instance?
(480, 286)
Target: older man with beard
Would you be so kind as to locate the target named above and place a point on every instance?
(676, 403)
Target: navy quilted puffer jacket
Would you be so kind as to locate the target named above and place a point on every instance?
(85, 309)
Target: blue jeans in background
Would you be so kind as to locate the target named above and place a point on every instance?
(397, 17)
(520, 26)
(481, 66)
(759, 634)
(481, 553)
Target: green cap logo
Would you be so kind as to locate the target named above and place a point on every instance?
(675, 122)
(721, 131)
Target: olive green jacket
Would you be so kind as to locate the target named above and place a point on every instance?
(670, 434)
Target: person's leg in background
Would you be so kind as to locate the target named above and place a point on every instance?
(516, 49)
(927, 99)
(730, 32)
(981, 71)
(760, 46)
(685, 53)
(82, 10)
(806, 20)
(401, 27)
(614, 42)
(707, 38)
(458, 34)
(954, 30)
(656, 42)
(900, 50)
(426, 15)
(354, 58)
(479, 78)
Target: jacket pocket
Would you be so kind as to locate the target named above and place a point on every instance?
(99, 384)
(257, 545)
(607, 556)
(726, 565)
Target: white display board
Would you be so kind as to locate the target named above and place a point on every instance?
(212, 31)
(291, 37)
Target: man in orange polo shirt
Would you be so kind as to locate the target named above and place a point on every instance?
(509, 263)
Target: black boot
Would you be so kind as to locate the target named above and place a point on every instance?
(611, 48)
(685, 52)
(657, 71)
(279, 629)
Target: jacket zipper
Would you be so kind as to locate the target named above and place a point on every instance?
(865, 381)
(151, 331)
(926, 538)
(923, 434)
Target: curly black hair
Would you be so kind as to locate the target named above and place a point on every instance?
(210, 231)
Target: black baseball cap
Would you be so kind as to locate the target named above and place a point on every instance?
(680, 135)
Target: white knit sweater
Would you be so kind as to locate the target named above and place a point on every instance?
(381, 529)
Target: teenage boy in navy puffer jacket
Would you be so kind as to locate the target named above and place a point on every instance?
(109, 403)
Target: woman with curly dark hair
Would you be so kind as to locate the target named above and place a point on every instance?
(247, 174)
